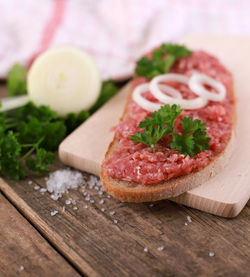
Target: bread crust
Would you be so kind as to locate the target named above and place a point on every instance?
(134, 192)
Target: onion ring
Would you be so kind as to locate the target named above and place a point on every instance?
(189, 104)
(196, 82)
(143, 102)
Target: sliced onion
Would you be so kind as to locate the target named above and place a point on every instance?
(143, 102)
(197, 81)
(189, 104)
(165, 89)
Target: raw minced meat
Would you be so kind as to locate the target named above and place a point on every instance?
(135, 162)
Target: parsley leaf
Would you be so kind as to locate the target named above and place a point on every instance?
(43, 113)
(159, 124)
(192, 140)
(40, 161)
(162, 60)
(52, 132)
(16, 82)
(10, 150)
(72, 120)
(178, 51)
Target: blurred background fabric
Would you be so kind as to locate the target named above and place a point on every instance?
(114, 32)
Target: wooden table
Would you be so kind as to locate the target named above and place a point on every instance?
(88, 241)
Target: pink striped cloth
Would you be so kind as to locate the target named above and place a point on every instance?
(114, 32)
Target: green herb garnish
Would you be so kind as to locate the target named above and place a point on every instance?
(16, 82)
(160, 123)
(162, 60)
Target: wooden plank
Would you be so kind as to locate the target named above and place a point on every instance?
(226, 193)
(23, 250)
(97, 246)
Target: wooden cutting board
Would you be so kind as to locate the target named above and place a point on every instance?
(226, 193)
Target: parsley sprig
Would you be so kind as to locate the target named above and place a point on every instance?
(160, 123)
(162, 60)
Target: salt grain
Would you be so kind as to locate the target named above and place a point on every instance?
(112, 213)
(75, 208)
(36, 187)
(73, 201)
(21, 267)
(87, 198)
(103, 210)
(186, 223)
(189, 219)
(108, 196)
(211, 254)
(53, 212)
(85, 207)
(92, 201)
(151, 205)
(160, 248)
(145, 249)
(85, 193)
(102, 201)
(68, 202)
(100, 192)
(115, 221)
(55, 196)
(42, 190)
(30, 182)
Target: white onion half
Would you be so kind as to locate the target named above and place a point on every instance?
(155, 89)
(196, 82)
(143, 102)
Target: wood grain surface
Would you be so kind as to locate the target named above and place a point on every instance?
(89, 238)
(224, 194)
(23, 251)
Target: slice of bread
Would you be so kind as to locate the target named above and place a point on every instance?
(134, 192)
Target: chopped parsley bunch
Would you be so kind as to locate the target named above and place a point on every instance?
(160, 123)
(162, 60)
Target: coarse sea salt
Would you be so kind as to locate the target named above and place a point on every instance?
(53, 212)
(60, 181)
(189, 219)
(160, 248)
(211, 254)
(145, 249)
(68, 202)
(36, 187)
